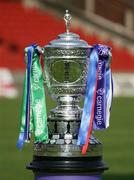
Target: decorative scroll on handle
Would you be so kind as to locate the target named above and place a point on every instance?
(67, 18)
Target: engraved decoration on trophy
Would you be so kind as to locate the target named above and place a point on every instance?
(66, 60)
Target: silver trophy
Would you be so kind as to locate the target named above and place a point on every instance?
(65, 73)
(66, 61)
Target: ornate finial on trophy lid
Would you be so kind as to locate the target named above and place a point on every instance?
(67, 18)
(68, 39)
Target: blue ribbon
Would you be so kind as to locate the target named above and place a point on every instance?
(98, 98)
(89, 97)
(29, 65)
(109, 94)
(24, 136)
(20, 140)
(103, 83)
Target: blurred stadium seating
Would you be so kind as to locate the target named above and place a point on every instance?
(20, 26)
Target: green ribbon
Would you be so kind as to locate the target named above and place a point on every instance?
(38, 114)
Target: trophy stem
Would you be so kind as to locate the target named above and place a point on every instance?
(67, 109)
(64, 120)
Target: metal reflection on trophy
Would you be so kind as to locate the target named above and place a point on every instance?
(66, 60)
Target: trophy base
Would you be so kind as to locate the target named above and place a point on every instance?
(61, 158)
(62, 149)
(58, 162)
(67, 165)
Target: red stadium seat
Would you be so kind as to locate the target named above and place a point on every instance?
(20, 27)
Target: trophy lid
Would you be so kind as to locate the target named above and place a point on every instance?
(68, 39)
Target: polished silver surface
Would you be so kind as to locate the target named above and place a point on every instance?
(62, 149)
(66, 60)
(68, 40)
